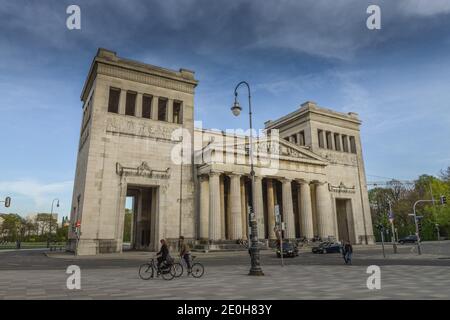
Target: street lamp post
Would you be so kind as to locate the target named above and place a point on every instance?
(255, 269)
(50, 223)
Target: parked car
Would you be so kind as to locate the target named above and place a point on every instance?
(289, 250)
(327, 247)
(408, 239)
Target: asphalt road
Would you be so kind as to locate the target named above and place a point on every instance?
(434, 254)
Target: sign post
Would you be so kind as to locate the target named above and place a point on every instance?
(391, 219)
(381, 228)
(279, 231)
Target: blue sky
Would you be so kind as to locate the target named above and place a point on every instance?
(290, 51)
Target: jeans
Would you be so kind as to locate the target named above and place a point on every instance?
(187, 259)
(348, 257)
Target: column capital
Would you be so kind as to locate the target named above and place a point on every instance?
(203, 177)
(214, 173)
(233, 174)
(286, 180)
(303, 181)
(258, 178)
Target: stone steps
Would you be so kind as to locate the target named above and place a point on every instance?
(222, 245)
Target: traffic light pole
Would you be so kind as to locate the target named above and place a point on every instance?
(417, 225)
(393, 239)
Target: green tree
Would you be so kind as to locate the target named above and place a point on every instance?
(127, 225)
(402, 200)
(12, 227)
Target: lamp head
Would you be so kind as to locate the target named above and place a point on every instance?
(236, 108)
(57, 204)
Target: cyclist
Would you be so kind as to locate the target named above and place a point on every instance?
(185, 253)
(163, 253)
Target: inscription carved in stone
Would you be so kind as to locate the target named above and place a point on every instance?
(142, 170)
(138, 129)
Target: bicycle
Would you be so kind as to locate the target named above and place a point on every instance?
(197, 269)
(303, 242)
(243, 242)
(147, 270)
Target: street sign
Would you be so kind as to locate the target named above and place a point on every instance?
(277, 210)
(391, 216)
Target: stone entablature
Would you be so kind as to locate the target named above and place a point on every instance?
(310, 111)
(108, 63)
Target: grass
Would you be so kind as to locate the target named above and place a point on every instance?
(30, 245)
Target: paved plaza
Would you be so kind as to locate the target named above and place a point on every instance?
(41, 275)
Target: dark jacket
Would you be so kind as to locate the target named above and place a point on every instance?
(348, 248)
(164, 251)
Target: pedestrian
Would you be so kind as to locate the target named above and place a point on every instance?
(185, 253)
(348, 252)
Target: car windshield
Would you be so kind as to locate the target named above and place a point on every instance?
(287, 246)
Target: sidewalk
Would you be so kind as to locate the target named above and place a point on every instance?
(224, 282)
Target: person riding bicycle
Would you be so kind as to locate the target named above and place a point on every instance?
(163, 253)
(185, 253)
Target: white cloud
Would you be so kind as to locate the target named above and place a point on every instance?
(40, 193)
(424, 7)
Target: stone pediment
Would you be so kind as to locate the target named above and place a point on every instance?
(292, 150)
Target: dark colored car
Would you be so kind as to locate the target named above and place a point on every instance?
(289, 250)
(327, 247)
(408, 239)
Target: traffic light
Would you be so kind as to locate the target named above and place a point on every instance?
(443, 200)
(419, 225)
(7, 202)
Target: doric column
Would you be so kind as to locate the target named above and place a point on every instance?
(305, 206)
(235, 227)
(169, 110)
(204, 208)
(270, 209)
(325, 221)
(122, 101)
(288, 210)
(215, 226)
(155, 101)
(244, 211)
(138, 112)
(298, 138)
(222, 207)
(258, 206)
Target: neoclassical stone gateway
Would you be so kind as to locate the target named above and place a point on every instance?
(137, 118)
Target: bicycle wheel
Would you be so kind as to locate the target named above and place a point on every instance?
(145, 271)
(178, 269)
(197, 270)
(168, 273)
